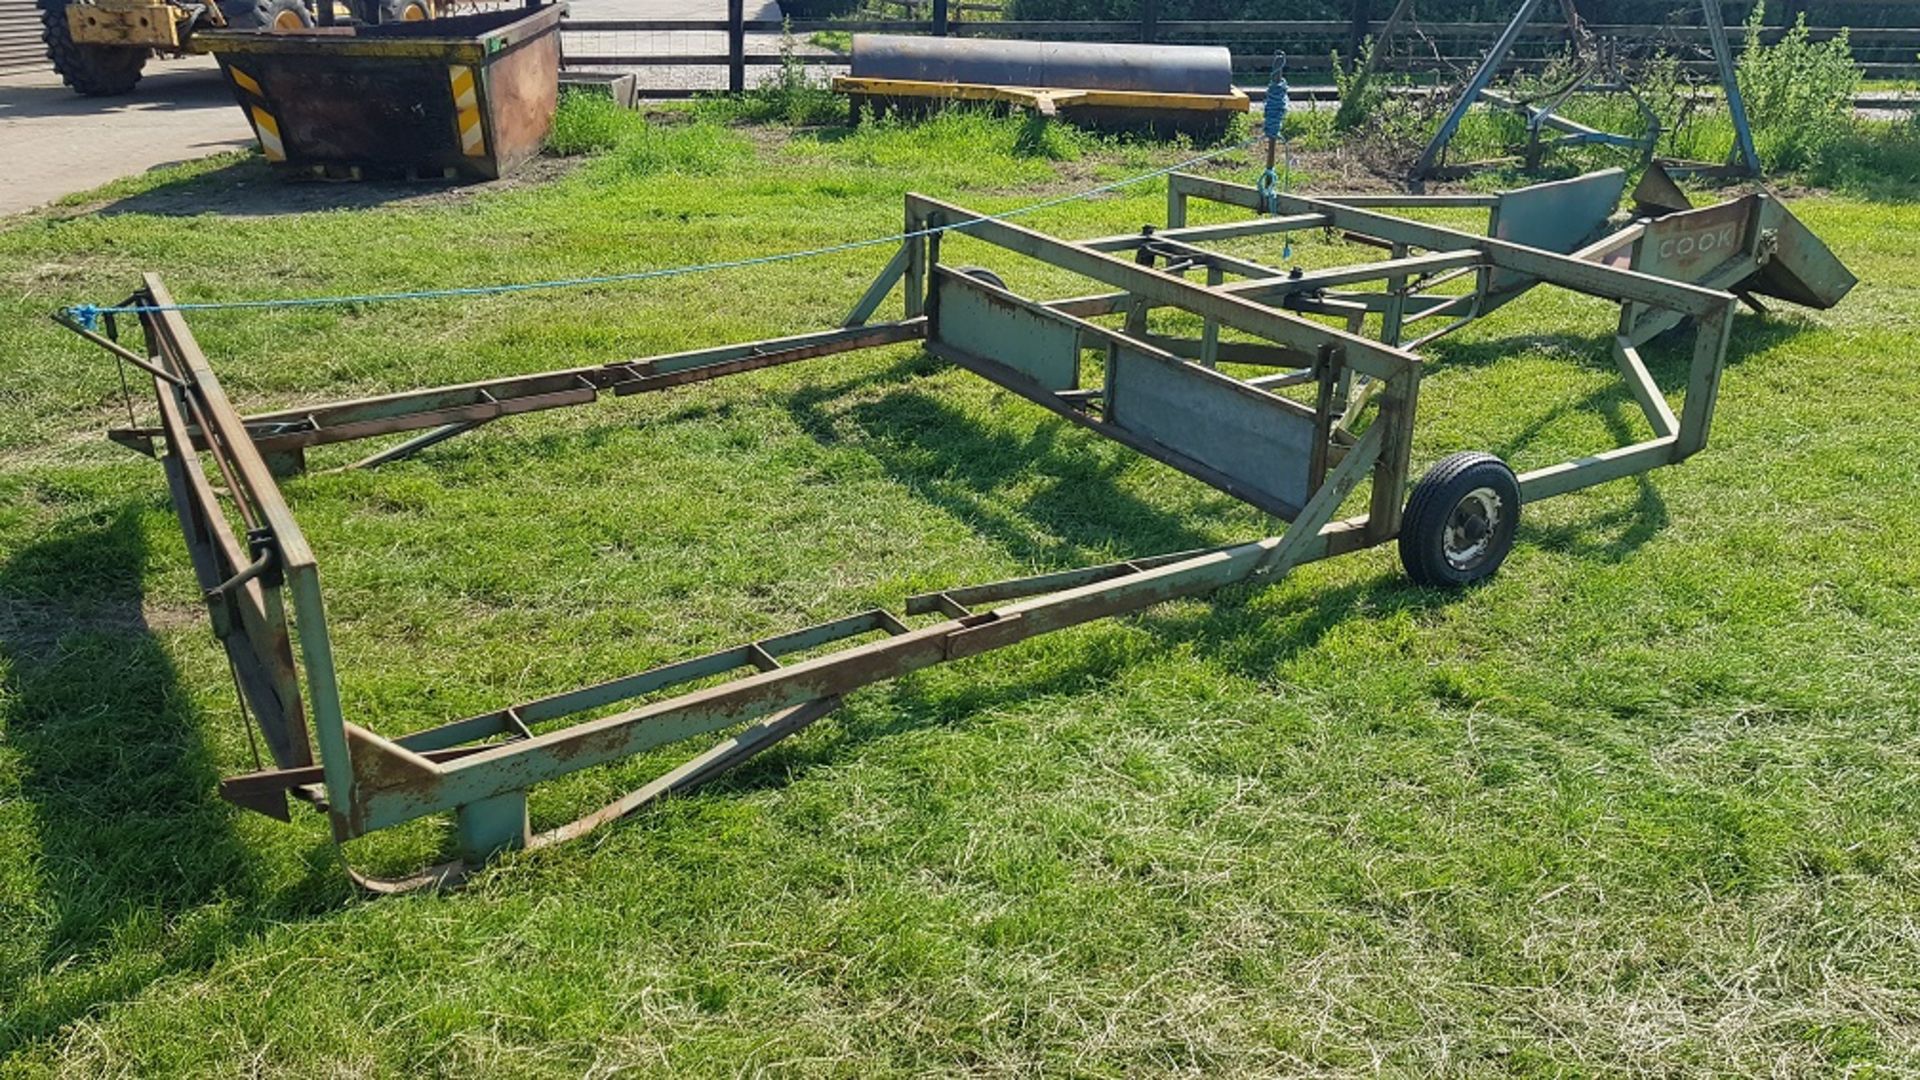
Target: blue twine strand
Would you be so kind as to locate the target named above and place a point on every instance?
(89, 315)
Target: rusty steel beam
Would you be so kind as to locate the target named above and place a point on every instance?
(467, 405)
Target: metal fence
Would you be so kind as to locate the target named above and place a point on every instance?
(1311, 45)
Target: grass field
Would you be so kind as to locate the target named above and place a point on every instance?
(1645, 802)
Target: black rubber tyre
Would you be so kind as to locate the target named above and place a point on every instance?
(981, 273)
(266, 14)
(392, 11)
(1460, 520)
(93, 70)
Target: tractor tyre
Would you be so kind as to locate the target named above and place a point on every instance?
(93, 70)
(393, 11)
(267, 14)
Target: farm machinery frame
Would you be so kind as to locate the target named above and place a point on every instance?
(1332, 417)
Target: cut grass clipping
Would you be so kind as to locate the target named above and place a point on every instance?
(1643, 803)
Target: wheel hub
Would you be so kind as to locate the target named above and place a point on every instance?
(1470, 528)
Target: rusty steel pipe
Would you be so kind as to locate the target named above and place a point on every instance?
(1160, 69)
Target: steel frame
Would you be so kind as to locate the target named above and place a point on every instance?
(1162, 395)
(1569, 132)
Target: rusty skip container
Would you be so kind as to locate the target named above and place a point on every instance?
(465, 96)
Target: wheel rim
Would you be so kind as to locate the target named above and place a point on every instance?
(288, 20)
(1468, 539)
(414, 13)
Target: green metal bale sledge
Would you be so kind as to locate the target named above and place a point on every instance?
(1334, 408)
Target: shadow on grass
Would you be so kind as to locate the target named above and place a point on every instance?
(1668, 356)
(1229, 630)
(120, 785)
(1079, 512)
(248, 187)
(1615, 534)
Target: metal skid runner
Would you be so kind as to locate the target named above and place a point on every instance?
(1296, 454)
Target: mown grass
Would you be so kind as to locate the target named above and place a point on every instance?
(1644, 802)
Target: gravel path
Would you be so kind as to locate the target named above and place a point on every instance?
(60, 142)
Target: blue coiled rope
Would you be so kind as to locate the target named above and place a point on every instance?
(1277, 98)
(89, 315)
(1275, 129)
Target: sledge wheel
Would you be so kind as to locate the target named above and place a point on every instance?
(981, 273)
(1460, 520)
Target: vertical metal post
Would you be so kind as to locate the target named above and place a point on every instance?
(1343, 393)
(1394, 317)
(1210, 330)
(939, 18)
(1109, 363)
(1398, 401)
(1357, 32)
(1482, 78)
(1730, 81)
(1327, 366)
(1703, 380)
(915, 288)
(323, 693)
(490, 826)
(737, 45)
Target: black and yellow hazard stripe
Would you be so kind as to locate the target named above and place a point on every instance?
(466, 106)
(265, 125)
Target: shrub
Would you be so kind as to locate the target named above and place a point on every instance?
(588, 123)
(792, 96)
(1360, 97)
(1799, 94)
(591, 124)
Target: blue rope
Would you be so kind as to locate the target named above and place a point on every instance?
(89, 315)
(1276, 111)
(1275, 127)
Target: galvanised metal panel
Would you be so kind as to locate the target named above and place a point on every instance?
(1688, 246)
(976, 318)
(1557, 216)
(1244, 432)
(1800, 268)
